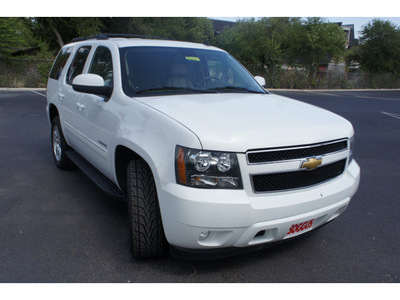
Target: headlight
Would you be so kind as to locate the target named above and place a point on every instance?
(207, 169)
(352, 148)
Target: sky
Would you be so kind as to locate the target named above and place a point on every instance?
(358, 22)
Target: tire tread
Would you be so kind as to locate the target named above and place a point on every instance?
(146, 230)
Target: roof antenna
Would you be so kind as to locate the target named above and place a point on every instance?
(207, 43)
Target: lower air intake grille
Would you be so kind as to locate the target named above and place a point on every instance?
(297, 179)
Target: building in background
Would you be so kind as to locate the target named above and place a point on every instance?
(219, 25)
(340, 67)
(349, 31)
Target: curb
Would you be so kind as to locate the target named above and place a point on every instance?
(21, 89)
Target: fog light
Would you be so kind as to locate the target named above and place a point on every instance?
(204, 235)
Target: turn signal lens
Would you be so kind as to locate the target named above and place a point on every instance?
(181, 166)
(199, 180)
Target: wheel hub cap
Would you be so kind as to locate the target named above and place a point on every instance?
(56, 143)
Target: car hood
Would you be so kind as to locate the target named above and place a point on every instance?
(238, 122)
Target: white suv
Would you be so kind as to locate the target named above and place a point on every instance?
(208, 160)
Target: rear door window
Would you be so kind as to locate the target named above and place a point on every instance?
(60, 62)
(78, 63)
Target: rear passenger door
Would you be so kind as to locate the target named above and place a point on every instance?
(54, 85)
(73, 106)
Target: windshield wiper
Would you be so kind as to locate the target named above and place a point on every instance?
(234, 88)
(172, 88)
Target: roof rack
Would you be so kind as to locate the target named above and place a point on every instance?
(106, 36)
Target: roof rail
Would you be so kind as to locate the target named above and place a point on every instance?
(106, 36)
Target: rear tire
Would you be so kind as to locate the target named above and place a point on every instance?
(59, 146)
(145, 224)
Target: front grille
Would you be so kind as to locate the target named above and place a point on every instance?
(298, 152)
(297, 179)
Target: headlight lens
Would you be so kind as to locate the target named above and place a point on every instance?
(352, 148)
(207, 169)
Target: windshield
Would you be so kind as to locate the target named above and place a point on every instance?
(148, 71)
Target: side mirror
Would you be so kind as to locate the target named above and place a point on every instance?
(260, 80)
(91, 84)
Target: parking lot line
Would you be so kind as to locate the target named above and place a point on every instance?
(342, 93)
(37, 93)
(323, 93)
(391, 115)
(377, 98)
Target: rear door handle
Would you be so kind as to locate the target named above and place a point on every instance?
(80, 106)
(61, 96)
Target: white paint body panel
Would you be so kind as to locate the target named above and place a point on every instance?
(240, 122)
(153, 126)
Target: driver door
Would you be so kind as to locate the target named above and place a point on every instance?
(99, 122)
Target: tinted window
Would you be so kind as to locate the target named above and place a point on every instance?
(167, 70)
(60, 62)
(78, 63)
(102, 65)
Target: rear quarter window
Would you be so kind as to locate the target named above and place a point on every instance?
(60, 62)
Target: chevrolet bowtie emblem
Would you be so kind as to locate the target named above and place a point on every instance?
(311, 163)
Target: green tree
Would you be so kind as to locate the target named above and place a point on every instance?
(257, 42)
(60, 30)
(13, 34)
(312, 42)
(199, 30)
(183, 29)
(352, 56)
(125, 25)
(380, 47)
(278, 28)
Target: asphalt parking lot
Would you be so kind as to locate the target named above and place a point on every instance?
(56, 226)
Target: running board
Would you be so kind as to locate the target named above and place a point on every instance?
(105, 184)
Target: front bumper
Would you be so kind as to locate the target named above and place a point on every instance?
(240, 218)
(218, 253)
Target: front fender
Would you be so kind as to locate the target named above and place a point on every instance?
(153, 136)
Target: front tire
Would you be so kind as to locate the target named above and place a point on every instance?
(59, 145)
(145, 224)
